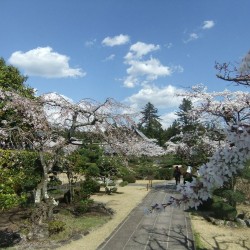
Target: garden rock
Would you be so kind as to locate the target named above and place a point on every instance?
(241, 222)
(247, 222)
(9, 238)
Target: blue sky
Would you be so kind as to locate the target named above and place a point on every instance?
(134, 51)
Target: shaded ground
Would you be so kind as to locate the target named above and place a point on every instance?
(10, 223)
(15, 227)
(215, 237)
(13, 220)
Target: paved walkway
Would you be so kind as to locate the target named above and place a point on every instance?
(168, 229)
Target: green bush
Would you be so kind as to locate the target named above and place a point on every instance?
(206, 205)
(56, 226)
(223, 210)
(123, 183)
(146, 171)
(112, 183)
(129, 178)
(20, 172)
(110, 190)
(54, 182)
(232, 196)
(92, 171)
(90, 186)
(83, 206)
(165, 173)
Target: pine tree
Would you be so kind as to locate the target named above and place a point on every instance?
(150, 123)
(187, 122)
(188, 134)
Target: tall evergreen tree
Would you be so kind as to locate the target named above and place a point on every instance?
(172, 130)
(187, 122)
(150, 123)
(191, 133)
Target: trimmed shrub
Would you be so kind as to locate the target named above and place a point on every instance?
(90, 186)
(165, 173)
(92, 171)
(146, 171)
(223, 210)
(56, 226)
(206, 205)
(110, 190)
(112, 183)
(232, 196)
(123, 184)
(83, 206)
(129, 178)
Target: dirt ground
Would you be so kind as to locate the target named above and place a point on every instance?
(123, 203)
(128, 197)
(222, 237)
(213, 237)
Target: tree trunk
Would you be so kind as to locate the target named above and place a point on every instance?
(44, 204)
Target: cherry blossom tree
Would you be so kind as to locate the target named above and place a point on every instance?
(232, 111)
(49, 116)
(238, 74)
(193, 141)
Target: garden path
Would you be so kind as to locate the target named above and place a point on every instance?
(168, 229)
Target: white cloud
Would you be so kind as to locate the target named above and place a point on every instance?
(164, 97)
(168, 119)
(178, 68)
(90, 43)
(110, 57)
(140, 49)
(44, 62)
(208, 24)
(192, 36)
(150, 70)
(168, 45)
(116, 40)
(141, 70)
(131, 81)
(196, 35)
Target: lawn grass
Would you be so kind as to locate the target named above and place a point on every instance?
(198, 242)
(78, 225)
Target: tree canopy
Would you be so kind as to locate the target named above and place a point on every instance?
(12, 80)
(150, 123)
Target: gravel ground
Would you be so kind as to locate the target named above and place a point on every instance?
(213, 237)
(221, 237)
(123, 203)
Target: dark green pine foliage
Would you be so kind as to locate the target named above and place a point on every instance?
(172, 131)
(190, 131)
(150, 123)
(187, 122)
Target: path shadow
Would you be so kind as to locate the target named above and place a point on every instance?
(167, 239)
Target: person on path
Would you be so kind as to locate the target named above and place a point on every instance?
(177, 175)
